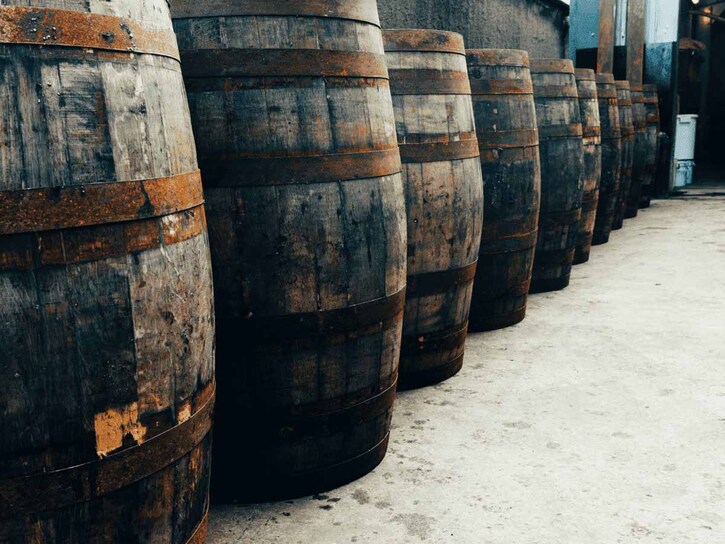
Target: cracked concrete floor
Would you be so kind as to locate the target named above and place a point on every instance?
(599, 419)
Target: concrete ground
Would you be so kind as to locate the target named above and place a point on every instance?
(599, 419)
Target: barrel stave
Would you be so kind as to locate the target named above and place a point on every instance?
(626, 122)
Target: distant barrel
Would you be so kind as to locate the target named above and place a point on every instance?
(443, 197)
(626, 123)
(562, 163)
(291, 107)
(592, 172)
(652, 112)
(639, 166)
(503, 103)
(106, 313)
(611, 157)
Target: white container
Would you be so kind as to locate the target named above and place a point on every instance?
(685, 137)
(685, 173)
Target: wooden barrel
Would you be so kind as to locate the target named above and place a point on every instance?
(503, 104)
(592, 138)
(107, 363)
(639, 173)
(611, 158)
(443, 198)
(562, 164)
(626, 123)
(291, 107)
(652, 111)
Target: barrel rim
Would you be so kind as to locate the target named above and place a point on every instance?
(604, 79)
(421, 40)
(585, 74)
(498, 57)
(622, 84)
(552, 66)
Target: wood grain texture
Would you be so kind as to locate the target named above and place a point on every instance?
(444, 202)
(110, 326)
(309, 273)
(639, 164)
(503, 103)
(562, 162)
(635, 40)
(626, 122)
(609, 186)
(652, 112)
(592, 172)
(605, 47)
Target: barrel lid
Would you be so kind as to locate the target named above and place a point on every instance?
(584, 74)
(497, 57)
(605, 79)
(552, 66)
(622, 85)
(438, 41)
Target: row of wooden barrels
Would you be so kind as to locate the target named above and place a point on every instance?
(343, 180)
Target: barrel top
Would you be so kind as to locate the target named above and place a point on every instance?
(584, 74)
(364, 11)
(552, 66)
(497, 57)
(605, 79)
(417, 40)
(622, 85)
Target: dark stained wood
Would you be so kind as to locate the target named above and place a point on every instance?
(592, 172)
(609, 185)
(503, 104)
(106, 310)
(652, 112)
(635, 40)
(605, 48)
(639, 172)
(562, 163)
(309, 267)
(443, 197)
(626, 123)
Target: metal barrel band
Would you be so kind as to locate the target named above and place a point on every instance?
(428, 82)
(591, 131)
(435, 283)
(248, 171)
(199, 534)
(606, 95)
(547, 259)
(609, 133)
(98, 242)
(590, 205)
(322, 324)
(439, 151)
(21, 25)
(423, 41)
(431, 375)
(269, 63)
(83, 483)
(53, 208)
(279, 427)
(573, 130)
(493, 87)
(363, 12)
(584, 95)
(624, 103)
(486, 297)
(558, 219)
(506, 139)
(556, 91)
(508, 244)
(443, 340)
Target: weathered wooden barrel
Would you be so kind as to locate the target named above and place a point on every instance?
(443, 198)
(106, 314)
(592, 138)
(562, 164)
(291, 106)
(503, 104)
(652, 111)
(626, 123)
(611, 158)
(639, 173)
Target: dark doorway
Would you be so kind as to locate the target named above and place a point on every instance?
(716, 98)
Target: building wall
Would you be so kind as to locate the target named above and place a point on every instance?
(537, 26)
